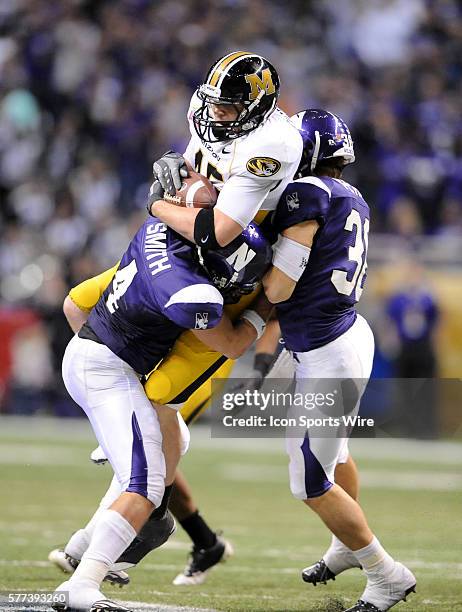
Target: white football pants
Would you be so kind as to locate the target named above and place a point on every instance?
(315, 452)
(123, 419)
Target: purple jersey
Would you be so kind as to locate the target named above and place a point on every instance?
(321, 307)
(158, 291)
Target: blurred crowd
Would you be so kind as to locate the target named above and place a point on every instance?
(92, 91)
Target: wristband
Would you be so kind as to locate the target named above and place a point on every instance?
(255, 320)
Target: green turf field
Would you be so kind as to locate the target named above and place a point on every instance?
(412, 494)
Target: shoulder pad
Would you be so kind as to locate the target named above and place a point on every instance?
(198, 306)
(302, 200)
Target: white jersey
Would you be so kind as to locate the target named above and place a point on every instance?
(252, 171)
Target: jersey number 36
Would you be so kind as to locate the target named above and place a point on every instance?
(356, 253)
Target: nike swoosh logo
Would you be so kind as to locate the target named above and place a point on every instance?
(204, 240)
(224, 152)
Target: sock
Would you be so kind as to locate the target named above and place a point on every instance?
(161, 511)
(338, 556)
(376, 562)
(111, 536)
(78, 544)
(198, 530)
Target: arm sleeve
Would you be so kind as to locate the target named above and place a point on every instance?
(86, 294)
(301, 202)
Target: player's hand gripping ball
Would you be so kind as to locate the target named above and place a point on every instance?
(196, 191)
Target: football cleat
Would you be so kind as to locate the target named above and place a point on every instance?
(320, 572)
(106, 605)
(202, 561)
(98, 456)
(81, 598)
(68, 565)
(380, 595)
(362, 606)
(153, 535)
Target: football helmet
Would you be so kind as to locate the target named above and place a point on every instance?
(325, 136)
(237, 268)
(247, 82)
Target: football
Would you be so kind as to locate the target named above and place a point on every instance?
(195, 192)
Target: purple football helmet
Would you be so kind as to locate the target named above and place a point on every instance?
(325, 136)
(237, 268)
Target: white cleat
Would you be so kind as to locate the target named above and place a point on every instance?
(98, 456)
(65, 563)
(202, 561)
(81, 598)
(68, 565)
(386, 593)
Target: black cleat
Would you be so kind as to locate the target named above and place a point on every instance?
(319, 572)
(363, 606)
(106, 605)
(202, 560)
(153, 535)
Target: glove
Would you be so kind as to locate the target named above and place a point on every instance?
(261, 366)
(169, 170)
(156, 192)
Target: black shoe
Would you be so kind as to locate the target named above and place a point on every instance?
(106, 605)
(363, 606)
(319, 572)
(202, 560)
(153, 535)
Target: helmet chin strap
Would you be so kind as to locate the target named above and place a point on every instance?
(248, 109)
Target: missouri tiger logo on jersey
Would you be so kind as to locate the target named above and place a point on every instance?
(263, 166)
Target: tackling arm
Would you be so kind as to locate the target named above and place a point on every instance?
(277, 282)
(74, 315)
(233, 340)
(83, 297)
(182, 220)
(238, 203)
(228, 339)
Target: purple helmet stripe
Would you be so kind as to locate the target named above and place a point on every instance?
(139, 472)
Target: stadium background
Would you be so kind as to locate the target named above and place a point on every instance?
(91, 92)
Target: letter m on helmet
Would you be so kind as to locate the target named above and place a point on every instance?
(257, 84)
(241, 257)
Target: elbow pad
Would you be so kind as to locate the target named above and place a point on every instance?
(204, 229)
(290, 257)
